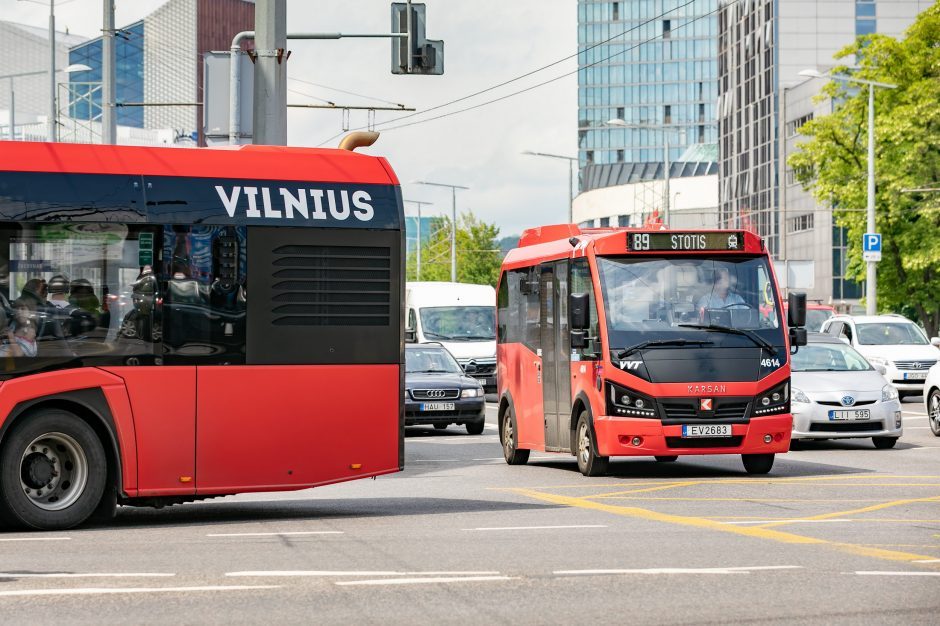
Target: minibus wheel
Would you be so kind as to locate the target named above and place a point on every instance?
(589, 462)
(757, 463)
(52, 471)
(508, 436)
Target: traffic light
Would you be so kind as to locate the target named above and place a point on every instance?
(426, 56)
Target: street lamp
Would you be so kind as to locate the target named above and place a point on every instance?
(664, 129)
(75, 67)
(571, 162)
(420, 204)
(871, 286)
(453, 226)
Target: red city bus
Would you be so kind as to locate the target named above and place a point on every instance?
(616, 342)
(136, 369)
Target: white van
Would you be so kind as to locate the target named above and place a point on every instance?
(460, 317)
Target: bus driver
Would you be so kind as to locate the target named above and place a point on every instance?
(721, 295)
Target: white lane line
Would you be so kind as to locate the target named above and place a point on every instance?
(292, 533)
(424, 581)
(116, 590)
(927, 561)
(327, 573)
(88, 575)
(538, 527)
(676, 570)
(35, 539)
(793, 521)
(898, 573)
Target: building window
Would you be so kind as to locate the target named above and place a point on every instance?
(800, 223)
(794, 126)
(619, 156)
(865, 8)
(667, 29)
(667, 114)
(590, 156)
(621, 113)
(616, 16)
(865, 27)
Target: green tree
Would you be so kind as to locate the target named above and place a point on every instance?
(833, 163)
(478, 254)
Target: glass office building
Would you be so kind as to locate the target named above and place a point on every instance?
(651, 63)
(85, 87)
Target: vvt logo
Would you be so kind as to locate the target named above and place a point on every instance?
(630, 365)
(311, 204)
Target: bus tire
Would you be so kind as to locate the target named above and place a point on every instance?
(757, 463)
(53, 471)
(589, 462)
(666, 459)
(475, 428)
(508, 437)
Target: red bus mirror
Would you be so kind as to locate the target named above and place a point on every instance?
(796, 313)
(578, 304)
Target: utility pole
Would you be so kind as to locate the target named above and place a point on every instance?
(108, 121)
(420, 204)
(50, 125)
(871, 286)
(453, 225)
(571, 162)
(269, 115)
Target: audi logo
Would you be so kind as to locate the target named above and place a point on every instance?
(436, 393)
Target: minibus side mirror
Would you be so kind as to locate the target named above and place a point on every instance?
(578, 304)
(579, 340)
(797, 337)
(796, 315)
(411, 335)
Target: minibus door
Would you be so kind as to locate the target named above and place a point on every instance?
(556, 385)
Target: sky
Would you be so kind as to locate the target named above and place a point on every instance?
(486, 42)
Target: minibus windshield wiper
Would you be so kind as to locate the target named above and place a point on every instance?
(438, 336)
(757, 339)
(662, 342)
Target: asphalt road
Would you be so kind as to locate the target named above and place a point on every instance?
(838, 533)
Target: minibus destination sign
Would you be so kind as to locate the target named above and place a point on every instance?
(684, 242)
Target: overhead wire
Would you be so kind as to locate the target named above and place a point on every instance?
(348, 93)
(535, 71)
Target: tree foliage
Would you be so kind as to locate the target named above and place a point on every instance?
(833, 163)
(478, 254)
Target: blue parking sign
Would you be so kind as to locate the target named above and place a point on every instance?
(871, 242)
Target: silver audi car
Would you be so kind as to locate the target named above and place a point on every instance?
(837, 394)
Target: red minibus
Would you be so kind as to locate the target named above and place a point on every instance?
(618, 342)
(136, 366)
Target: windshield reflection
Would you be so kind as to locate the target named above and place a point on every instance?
(459, 323)
(659, 298)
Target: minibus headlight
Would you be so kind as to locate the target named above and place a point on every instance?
(774, 400)
(628, 403)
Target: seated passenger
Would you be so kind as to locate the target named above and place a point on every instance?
(58, 292)
(21, 335)
(83, 296)
(721, 296)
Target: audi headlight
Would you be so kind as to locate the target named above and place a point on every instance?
(888, 393)
(472, 393)
(799, 396)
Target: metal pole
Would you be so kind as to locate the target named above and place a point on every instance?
(871, 288)
(50, 125)
(410, 41)
(418, 275)
(666, 181)
(453, 235)
(269, 114)
(108, 114)
(12, 112)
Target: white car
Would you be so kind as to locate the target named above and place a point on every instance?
(837, 394)
(932, 399)
(891, 341)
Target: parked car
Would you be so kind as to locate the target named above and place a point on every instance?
(891, 341)
(837, 394)
(932, 399)
(438, 392)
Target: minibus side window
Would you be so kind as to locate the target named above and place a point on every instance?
(581, 283)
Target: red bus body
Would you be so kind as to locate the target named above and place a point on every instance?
(534, 358)
(299, 395)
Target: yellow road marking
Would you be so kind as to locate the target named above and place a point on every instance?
(867, 509)
(612, 494)
(701, 522)
(694, 499)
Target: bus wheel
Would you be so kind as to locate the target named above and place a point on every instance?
(666, 459)
(52, 471)
(589, 462)
(475, 428)
(757, 463)
(512, 454)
